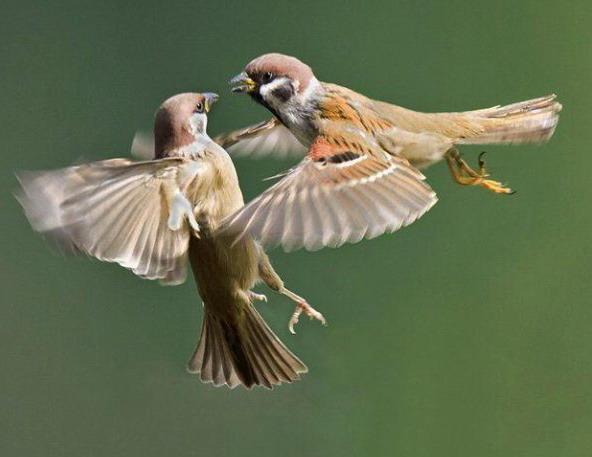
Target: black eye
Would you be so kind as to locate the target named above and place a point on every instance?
(267, 77)
(199, 108)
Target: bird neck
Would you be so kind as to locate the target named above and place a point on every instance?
(191, 149)
(297, 112)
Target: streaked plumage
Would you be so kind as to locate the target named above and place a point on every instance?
(328, 120)
(154, 216)
(338, 194)
(111, 210)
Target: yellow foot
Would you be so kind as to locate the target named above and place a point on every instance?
(464, 175)
(494, 186)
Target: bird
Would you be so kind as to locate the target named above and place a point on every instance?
(360, 175)
(155, 217)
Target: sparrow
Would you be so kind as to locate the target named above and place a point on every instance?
(154, 217)
(360, 174)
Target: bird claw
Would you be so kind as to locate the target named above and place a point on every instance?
(494, 186)
(466, 176)
(481, 161)
(304, 307)
(180, 209)
(258, 297)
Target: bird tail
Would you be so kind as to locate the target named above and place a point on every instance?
(531, 121)
(242, 351)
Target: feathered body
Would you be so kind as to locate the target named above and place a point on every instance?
(236, 346)
(335, 113)
(309, 108)
(360, 173)
(153, 217)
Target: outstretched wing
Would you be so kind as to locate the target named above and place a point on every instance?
(337, 194)
(115, 210)
(268, 138)
(143, 145)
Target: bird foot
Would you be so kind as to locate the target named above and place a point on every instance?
(180, 209)
(494, 186)
(304, 307)
(258, 297)
(464, 175)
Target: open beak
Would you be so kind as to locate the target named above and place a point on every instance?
(209, 99)
(242, 83)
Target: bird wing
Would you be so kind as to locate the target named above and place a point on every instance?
(115, 210)
(268, 138)
(337, 194)
(143, 145)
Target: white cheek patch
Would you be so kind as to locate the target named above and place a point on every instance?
(312, 90)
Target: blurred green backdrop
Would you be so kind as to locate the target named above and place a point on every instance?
(466, 334)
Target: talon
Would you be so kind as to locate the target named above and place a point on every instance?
(309, 311)
(294, 320)
(463, 174)
(481, 161)
(180, 208)
(494, 186)
(193, 222)
(301, 306)
(258, 297)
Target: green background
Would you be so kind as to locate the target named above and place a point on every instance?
(466, 334)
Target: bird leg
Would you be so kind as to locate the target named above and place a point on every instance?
(274, 282)
(464, 175)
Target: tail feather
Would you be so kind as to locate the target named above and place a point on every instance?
(276, 362)
(245, 352)
(531, 121)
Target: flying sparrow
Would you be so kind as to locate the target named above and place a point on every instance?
(359, 177)
(154, 217)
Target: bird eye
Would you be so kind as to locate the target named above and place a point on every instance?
(199, 108)
(267, 77)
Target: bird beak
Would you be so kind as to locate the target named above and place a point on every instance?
(242, 83)
(210, 99)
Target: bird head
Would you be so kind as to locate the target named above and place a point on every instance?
(181, 120)
(275, 81)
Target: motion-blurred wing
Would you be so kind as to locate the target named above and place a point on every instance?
(114, 210)
(269, 138)
(143, 145)
(335, 195)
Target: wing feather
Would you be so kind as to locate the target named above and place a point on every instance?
(335, 197)
(114, 210)
(268, 138)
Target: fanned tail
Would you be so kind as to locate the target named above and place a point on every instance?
(243, 351)
(531, 121)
